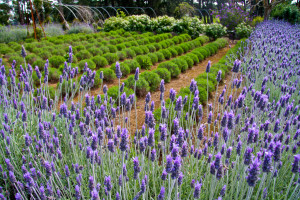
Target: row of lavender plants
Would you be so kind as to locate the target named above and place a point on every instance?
(246, 148)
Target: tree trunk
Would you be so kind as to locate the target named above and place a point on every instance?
(20, 12)
(267, 12)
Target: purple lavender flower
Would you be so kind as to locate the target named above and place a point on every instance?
(295, 165)
(252, 177)
(136, 167)
(248, 156)
(169, 164)
(219, 76)
(223, 190)
(267, 163)
(23, 52)
(164, 175)
(118, 70)
(197, 190)
(208, 67)
(209, 119)
(153, 155)
(107, 183)
(136, 75)
(161, 195)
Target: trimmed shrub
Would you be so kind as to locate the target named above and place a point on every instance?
(83, 54)
(153, 58)
(132, 64)
(97, 80)
(181, 63)
(144, 49)
(31, 58)
(203, 51)
(95, 51)
(120, 47)
(113, 92)
(164, 74)
(100, 61)
(144, 61)
(108, 74)
(188, 60)
(202, 83)
(198, 55)
(167, 54)
(78, 48)
(112, 48)
(152, 78)
(157, 46)
(121, 55)
(211, 77)
(151, 48)
(58, 52)
(194, 57)
(185, 47)
(111, 57)
(40, 63)
(172, 51)
(160, 56)
(104, 49)
(124, 68)
(130, 53)
(142, 86)
(54, 74)
(44, 54)
(171, 67)
(19, 61)
(137, 50)
(55, 61)
(89, 62)
(179, 50)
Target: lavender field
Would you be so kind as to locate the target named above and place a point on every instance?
(244, 145)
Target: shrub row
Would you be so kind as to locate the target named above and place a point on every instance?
(150, 80)
(202, 80)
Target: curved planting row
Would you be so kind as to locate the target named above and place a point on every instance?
(58, 47)
(150, 80)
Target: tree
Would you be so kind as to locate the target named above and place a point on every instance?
(4, 13)
(268, 6)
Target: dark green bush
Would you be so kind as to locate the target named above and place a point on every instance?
(97, 80)
(111, 57)
(100, 61)
(287, 12)
(185, 47)
(130, 53)
(78, 48)
(44, 54)
(113, 92)
(112, 48)
(211, 77)
(181, 63)
(31, 58)
(19, 61)
(108, 74)
(142, 86)
(153, 57)
(54, 74)
(198, 54)
(151, 48)
(59, 52)
(167, 54)
(121, 55)
(160, 56)
(83, 54)
(120, 47)
(171, 67)
(144, 49)
(157, 46)
(144, 61)
(179, 50)
(164, 74)
(203, 51)
(194, 57)
(40, 63)
(152, 78)
(202, 83)
(137, 50)
(172, 51)
(95, 51)
(188, 60)
(132, 64)
(124, 68)
(89, 62)
(55, 61)
(104, 49)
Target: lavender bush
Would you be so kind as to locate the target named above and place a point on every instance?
(248, 148)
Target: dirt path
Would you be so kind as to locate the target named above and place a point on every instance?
(183, 80)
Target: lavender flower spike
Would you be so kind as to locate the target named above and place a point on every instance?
(118, 70)
(252, 177)
(161, 195)
(208, 67)
(136, 75)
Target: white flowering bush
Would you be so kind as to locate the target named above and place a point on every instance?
(243, 30)
(215, 30)
(164, 24)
